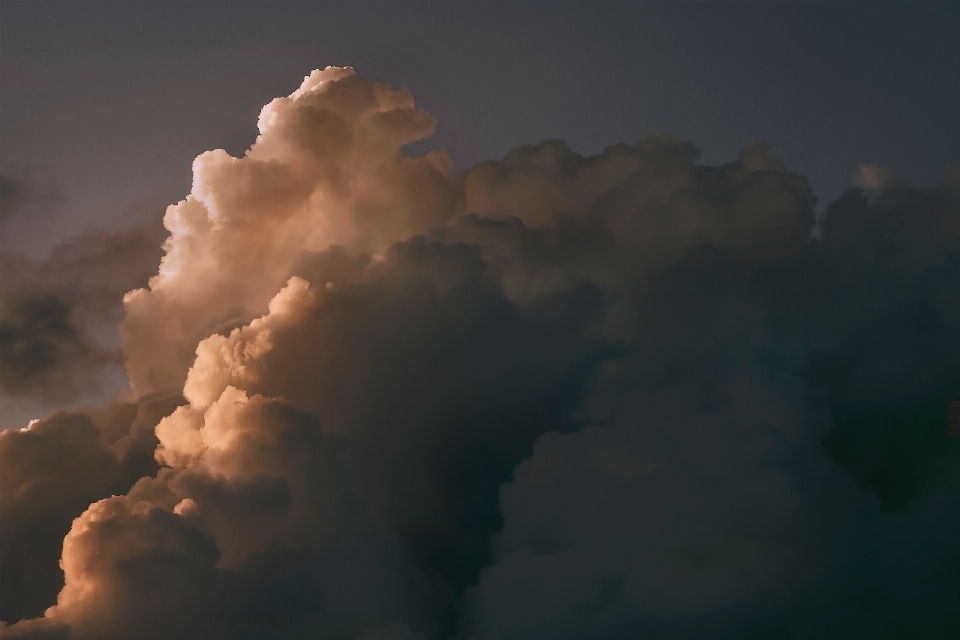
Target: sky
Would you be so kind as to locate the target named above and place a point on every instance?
(110, 102)
(479, 321)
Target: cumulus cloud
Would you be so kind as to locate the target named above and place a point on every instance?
(547, 396)
(52, 470)
(325, 169)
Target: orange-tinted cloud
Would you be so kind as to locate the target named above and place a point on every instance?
(549, 393)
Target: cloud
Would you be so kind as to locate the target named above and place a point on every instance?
(890, 356)
(325, 169)
(38, 339)
(52, 471)
(58, 314)
(547, 396)
(699, 510)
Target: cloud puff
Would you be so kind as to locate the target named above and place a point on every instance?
(325, 169)
(52, 471)
(550, 396)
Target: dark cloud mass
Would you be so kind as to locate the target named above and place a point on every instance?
(551, 396)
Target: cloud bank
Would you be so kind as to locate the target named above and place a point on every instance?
(545, 397)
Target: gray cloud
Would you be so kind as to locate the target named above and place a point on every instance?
(702, 507)
(548, 396)
(58, 314)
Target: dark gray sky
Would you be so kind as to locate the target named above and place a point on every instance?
(108, 103)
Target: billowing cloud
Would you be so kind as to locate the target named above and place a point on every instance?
(550, 396)
(326, 169)
(51, 471)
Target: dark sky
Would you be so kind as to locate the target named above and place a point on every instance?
(108, 103)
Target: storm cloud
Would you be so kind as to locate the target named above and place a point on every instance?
(550, 396)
